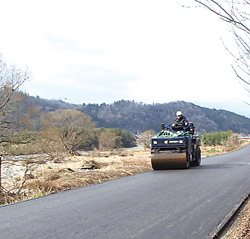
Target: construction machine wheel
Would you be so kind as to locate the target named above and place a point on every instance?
(197, 160)
(187, 160)
(161, 161)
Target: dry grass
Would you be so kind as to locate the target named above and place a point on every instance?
(32, 178)
(208, 151)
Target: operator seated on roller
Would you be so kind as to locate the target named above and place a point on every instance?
(181, 121)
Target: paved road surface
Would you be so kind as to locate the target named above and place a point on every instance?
(155, 205)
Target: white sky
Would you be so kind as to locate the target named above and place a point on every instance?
(97, 51)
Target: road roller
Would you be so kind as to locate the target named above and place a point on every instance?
(175, 147)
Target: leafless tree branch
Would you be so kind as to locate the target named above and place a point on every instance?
(237, 14)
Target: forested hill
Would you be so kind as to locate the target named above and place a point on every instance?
(139, 117)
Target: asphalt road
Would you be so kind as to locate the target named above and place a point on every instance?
(155, 205)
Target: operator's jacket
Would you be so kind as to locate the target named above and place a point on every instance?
(181, 121)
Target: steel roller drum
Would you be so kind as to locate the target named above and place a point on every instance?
(169, 161)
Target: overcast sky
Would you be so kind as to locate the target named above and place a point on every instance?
(97, 51)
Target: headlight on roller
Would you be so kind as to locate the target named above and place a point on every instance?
(155, 142)
(166, 142)
(181, 141)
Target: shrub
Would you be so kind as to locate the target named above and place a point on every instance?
(216, 138)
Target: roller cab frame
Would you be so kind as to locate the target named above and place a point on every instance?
(175, 148)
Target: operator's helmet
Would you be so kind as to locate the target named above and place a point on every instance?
(178, 113)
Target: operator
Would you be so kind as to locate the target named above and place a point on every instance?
(181, 120)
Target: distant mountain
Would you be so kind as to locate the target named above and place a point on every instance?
(139, 117)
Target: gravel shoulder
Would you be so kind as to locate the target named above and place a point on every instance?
(240, 229)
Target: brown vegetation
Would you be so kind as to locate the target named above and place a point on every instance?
(38, 176)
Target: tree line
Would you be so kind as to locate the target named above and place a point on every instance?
(66, 132)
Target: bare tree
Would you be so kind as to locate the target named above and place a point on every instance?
(107, 139)
(73, 127)
(11, 79)
(50, 143)
(237, 14)
(144, 138)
